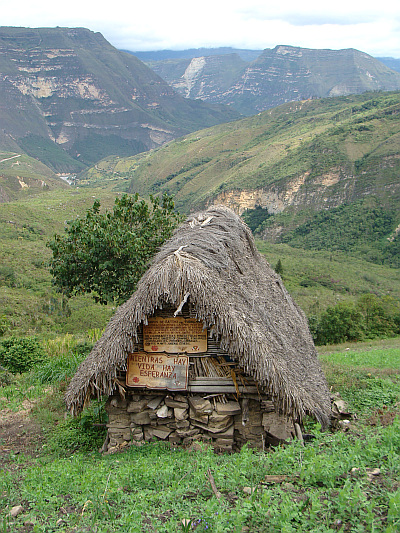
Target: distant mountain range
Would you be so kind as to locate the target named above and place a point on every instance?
(69, 98)
(391, 62)
(251, 80)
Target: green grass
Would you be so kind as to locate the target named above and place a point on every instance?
(328, 486)
(126, 493)
(388, 358)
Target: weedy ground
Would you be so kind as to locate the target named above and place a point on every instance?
(342, 480)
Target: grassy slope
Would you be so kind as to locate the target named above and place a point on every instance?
(27, 298)
(356, 136)
(317, 279)
(327, 485)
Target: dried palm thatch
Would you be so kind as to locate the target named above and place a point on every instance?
(212, 261)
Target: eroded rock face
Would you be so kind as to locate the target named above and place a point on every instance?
(277, 76)
(72, 87)
(300, 191)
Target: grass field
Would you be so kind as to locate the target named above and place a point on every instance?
(343, 480)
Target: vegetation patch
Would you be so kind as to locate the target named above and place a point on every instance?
(341, 480)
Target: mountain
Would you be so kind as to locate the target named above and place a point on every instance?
(390, 62)
(69, 98)
(190, 53)
(278, 75)
(284, 165)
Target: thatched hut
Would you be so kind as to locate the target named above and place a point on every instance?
(211, 346)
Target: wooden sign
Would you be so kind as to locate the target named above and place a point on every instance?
(157, 371)
(174, 335)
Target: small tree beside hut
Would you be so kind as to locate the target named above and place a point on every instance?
(209, 347)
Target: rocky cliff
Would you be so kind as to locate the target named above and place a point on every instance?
(278, 75)
(68, 90)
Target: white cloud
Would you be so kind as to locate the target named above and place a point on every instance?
(178, 24)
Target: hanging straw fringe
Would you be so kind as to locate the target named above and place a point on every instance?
(212, 260)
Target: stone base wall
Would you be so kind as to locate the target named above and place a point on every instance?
(179, 418)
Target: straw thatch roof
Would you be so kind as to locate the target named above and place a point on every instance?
(212, 261)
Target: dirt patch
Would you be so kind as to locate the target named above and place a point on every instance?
(384, 416)
(19, 434)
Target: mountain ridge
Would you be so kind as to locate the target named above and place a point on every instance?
(279, 75)
(71, 87)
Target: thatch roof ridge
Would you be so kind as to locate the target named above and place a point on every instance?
(212, 260)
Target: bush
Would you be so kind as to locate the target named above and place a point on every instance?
(371, 317)
(81, 432)
(19, 355)
(341, 323)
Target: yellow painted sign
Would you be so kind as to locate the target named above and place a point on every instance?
(174, 335)
(157, 371)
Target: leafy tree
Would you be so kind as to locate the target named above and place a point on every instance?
(106, 253)
(380, 315)
(20, 354)
(339, 323)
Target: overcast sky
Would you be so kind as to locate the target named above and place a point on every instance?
(253, 24)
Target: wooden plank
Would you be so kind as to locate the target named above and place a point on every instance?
(222, 389)
(174, 335)
(157, 371)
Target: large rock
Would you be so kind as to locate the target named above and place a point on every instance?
(155, 402)
(228, 408)
(173, 403)
(180, 414)
(136, 407)
(200, 405)
(278, 425)
(162, 432)
(140, 418)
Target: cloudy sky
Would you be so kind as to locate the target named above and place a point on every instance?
(253, 24)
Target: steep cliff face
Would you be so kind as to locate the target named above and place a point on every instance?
(72, 87)
(300, 192)
(278, 75)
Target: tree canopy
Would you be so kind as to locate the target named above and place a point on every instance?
(106, 253)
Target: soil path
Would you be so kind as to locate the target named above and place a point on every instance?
(19, 434)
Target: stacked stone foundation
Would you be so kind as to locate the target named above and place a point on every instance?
(224, 421)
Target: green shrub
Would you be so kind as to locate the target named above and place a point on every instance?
(85, 432)
(20, 354)
(340, 323)
(371, 317)
(381, 315)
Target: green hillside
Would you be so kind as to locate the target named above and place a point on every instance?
(318, 174)
(23, 176)
(314, 154)
(30, 304)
